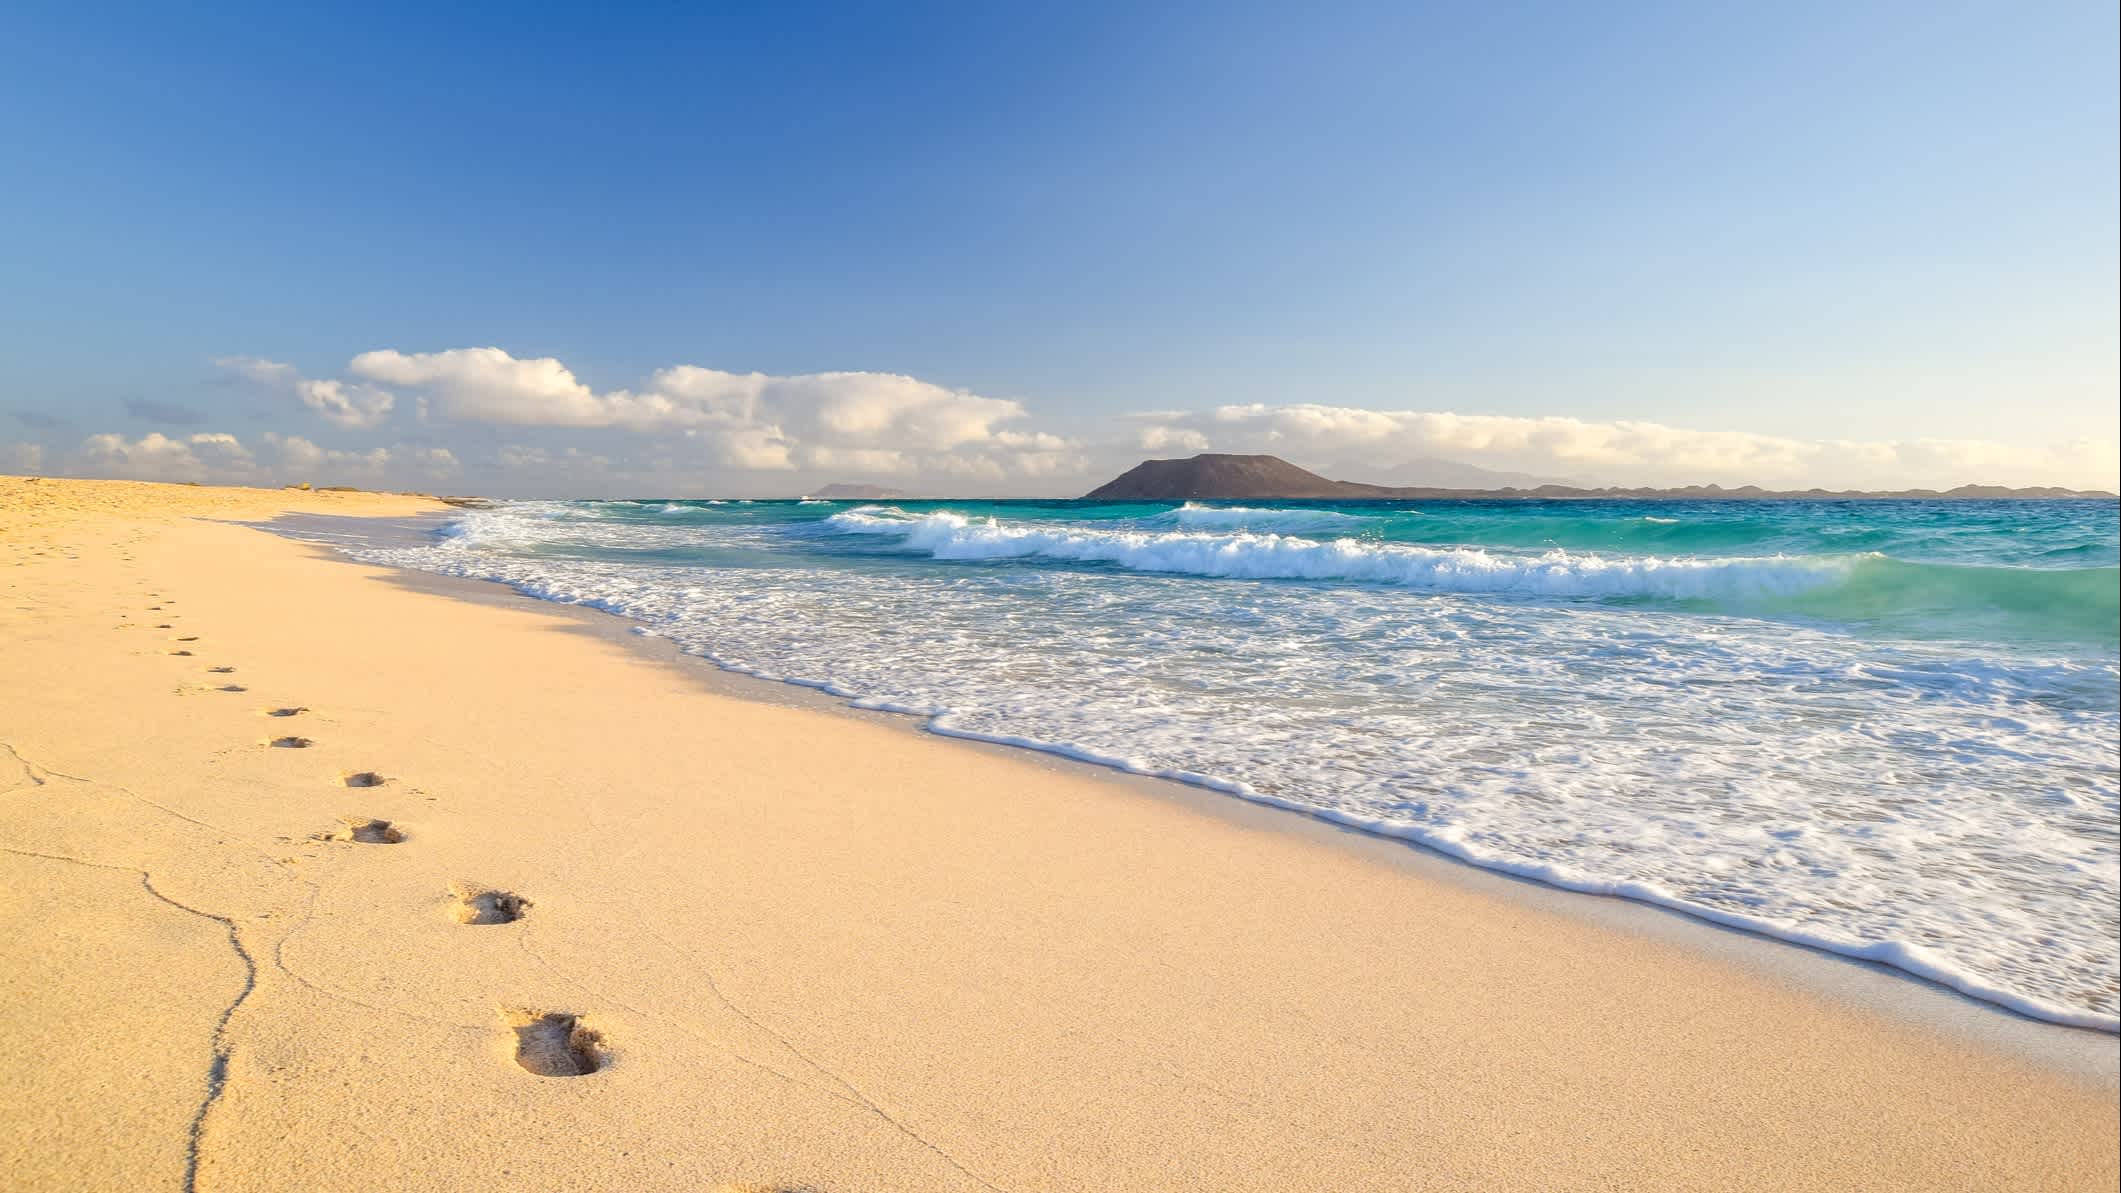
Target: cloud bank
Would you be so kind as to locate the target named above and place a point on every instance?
(871, 423)
(531, 426)
(1620, 452)
(219, 457)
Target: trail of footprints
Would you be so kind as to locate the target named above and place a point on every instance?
(547, 1043)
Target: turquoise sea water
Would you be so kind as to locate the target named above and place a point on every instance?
(1884, 728)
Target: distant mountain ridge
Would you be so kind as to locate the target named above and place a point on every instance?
(846, 492)
(1430, 472)
(1218, 477)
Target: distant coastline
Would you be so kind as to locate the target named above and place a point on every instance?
(1217, 477)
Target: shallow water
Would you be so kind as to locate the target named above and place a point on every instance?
(1883, 728)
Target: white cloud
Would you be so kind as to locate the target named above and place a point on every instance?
(518, 457)
(345, 404)
(1162, 437)
(752, 449)
(436, 462)
(1634, 453)
(21, 459)
(218, 457)
(882, 423)
(155, 456)
(300, 455)
(570, 471)
(490, 386)
(298, 458)
(688, 425)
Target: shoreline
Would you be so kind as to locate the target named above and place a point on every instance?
(599, 919)
(1941, 1001)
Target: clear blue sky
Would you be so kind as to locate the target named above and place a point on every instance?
(1820, 221)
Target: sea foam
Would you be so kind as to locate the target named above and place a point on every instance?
(1945, 806)
(1245, 555)
(1194, 516)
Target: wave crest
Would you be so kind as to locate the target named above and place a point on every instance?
(1245, 555)
(1194, 516)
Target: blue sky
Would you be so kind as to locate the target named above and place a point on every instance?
(1842, 244)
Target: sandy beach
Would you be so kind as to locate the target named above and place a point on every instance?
(311, 879)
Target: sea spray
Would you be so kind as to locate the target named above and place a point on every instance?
(1274, 556)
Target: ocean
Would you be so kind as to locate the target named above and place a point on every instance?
(1882, 728)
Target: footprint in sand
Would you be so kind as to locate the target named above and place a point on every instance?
(285, 712)
(555, 1044)
(186, 638)
(364, 832)
(482, 905)
(290, 743)
(181, 653)
(230, 687)
(362, 778)
(219, 670)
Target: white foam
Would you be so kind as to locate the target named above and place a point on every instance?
(946, 535)
(1788, 781)
(1193, 516)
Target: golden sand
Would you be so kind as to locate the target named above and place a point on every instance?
(310, 880)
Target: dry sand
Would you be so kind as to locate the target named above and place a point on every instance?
(799, 949)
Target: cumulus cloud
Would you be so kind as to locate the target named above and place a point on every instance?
(300, 455)
(1628, 452)
(1162, 437)
(218, 457)
(883, 423)
(344, 404)
(490, 386)
(155, 456)
(687, 425)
